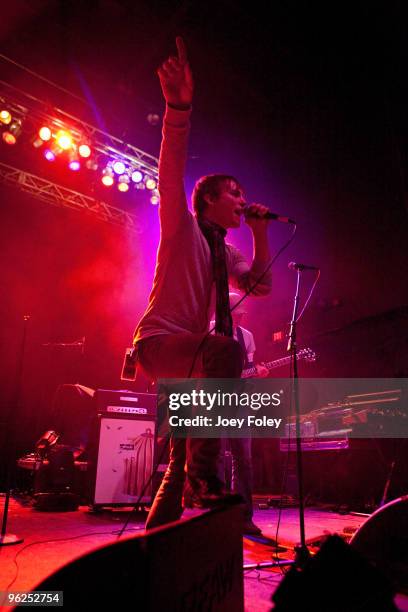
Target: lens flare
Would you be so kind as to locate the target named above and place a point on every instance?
(64, 140)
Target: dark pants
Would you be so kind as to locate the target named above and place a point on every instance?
(171, 356)
(241, 470)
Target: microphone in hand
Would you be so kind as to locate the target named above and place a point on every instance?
(292, 265)
(249, 213)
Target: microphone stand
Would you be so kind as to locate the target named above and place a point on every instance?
(302, 552)
(8, 538)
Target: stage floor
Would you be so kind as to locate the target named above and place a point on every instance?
(51, 539)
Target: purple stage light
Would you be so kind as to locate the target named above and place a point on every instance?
(49, 155)
(74, 165)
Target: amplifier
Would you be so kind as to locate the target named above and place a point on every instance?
(125, 448)
(125, 402)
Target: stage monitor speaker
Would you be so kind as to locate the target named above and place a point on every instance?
(195, 564)
(337, 579)
(383, 539)
(124, 454)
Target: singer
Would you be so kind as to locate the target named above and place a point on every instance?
(194, 267)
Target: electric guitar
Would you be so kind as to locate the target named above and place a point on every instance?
(306, 354)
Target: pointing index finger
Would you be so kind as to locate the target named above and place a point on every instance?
(181, 50)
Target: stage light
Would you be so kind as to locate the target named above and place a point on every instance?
(37, 143)
(150, 184)
(49, 155)
(123, 184)
(107, 178)
(12, 133)
(154, 200)
(91, 164)
(84, 150)
(123, 187)
(64, 140)
(9, 138)
(5, 117)
(137, 176)
(74, 165)
(44, 133)
(118, 167)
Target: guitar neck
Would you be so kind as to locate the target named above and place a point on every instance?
(277, 363)
(271, 365)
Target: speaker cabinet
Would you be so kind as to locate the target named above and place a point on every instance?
(383, 539)
(124, 451)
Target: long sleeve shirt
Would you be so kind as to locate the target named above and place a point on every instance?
(182, 297)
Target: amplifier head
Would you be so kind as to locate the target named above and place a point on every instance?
(127, 403)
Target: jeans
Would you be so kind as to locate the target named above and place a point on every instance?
(171, 356)
(241, 476)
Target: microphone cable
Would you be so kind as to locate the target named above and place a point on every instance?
(246, 294)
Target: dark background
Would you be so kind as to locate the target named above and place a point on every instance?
(304, 102)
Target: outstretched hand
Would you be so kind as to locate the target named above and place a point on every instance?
(176, 78)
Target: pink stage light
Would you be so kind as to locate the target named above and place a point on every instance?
(49, 155)
(74, 165)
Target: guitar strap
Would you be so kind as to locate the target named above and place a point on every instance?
(240, 338)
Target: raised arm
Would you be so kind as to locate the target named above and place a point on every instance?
(176, 79)
(177, 86)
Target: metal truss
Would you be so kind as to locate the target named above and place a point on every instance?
(57, 195)
(25, 106)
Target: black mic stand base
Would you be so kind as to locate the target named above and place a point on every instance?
(9, 538)
(302, 556)
(6, 539)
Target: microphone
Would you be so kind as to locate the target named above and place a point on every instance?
(292, 265)
(269, 215)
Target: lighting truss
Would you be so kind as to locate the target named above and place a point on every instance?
(23, 105)
(57, 195)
